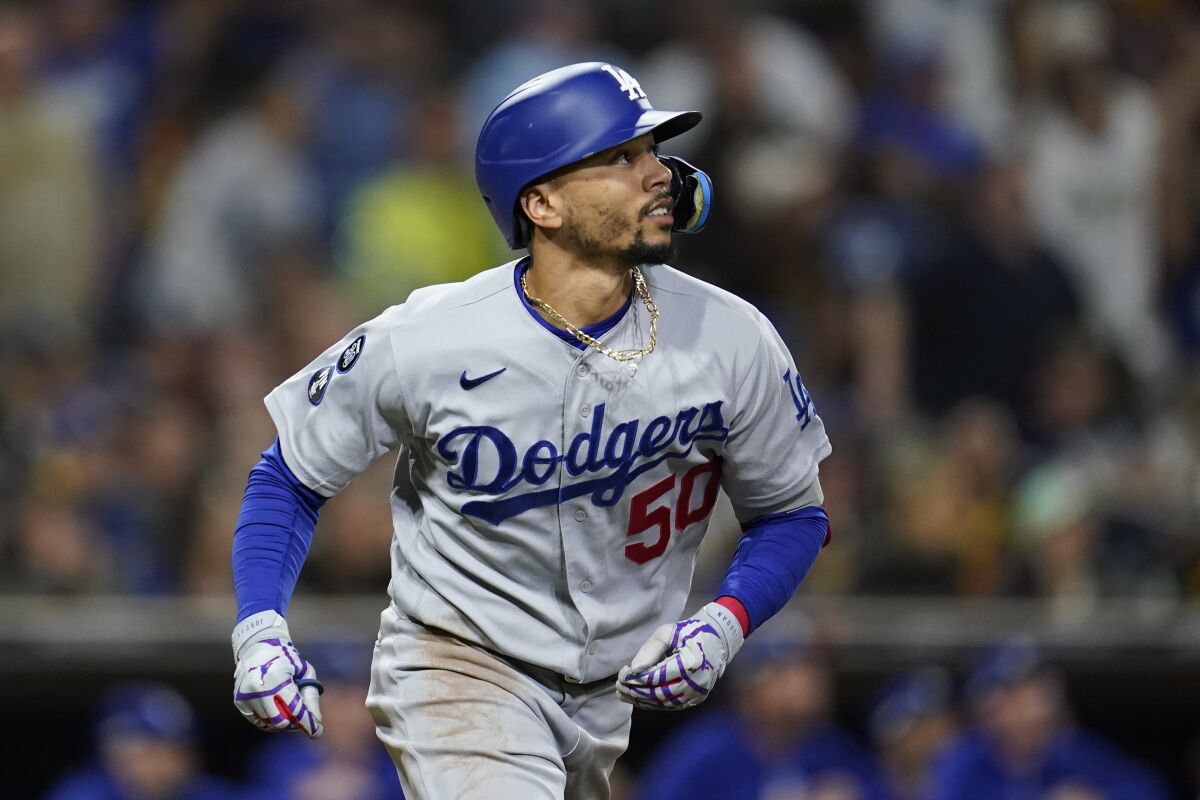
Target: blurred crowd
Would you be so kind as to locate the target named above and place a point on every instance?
(974, 221)
(1006, 731)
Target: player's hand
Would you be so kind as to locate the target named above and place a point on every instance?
(273, 686)
(681, 662)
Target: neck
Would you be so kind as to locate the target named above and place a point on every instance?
(583, 293)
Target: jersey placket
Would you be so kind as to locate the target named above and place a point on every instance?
(583, 420)
(586, 526)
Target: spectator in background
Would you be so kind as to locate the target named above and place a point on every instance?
(755, 72)
(101, 58)
(777, 743)
(49, 191)
(1094, 169)
(1058, 535)
(361, 76)
(982, 450)
(1085, 433)
(153, 490)
(146, 743)
(1022, 742)
(114, 453)
(242, 193)
(1081, 401)
(347, 762)
(548, 34)
(968, 40)
(949, 508)
(912, 723)
(1077, 549)
(988, 305)
(903, 118)
(910, 160)
(58, 550)
(920, 553)
(395, 237)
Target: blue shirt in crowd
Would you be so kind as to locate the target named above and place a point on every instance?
(286, 763)
(714, 759)
(972, 770)
(94, 783)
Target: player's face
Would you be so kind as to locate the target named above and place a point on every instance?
(616, 205)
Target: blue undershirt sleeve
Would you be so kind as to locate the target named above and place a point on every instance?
(772, 558)
(274, 531)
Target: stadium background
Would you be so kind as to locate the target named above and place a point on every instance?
(975, 222)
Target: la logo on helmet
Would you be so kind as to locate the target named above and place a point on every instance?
(626, 81)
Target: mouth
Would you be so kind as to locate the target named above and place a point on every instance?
(661, 211)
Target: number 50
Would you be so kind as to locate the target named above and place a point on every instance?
(642, 517)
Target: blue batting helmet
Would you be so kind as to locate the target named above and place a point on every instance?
(557, 119)
(909, 698)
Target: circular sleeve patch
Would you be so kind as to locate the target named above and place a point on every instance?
(318, 384)
(349, 356)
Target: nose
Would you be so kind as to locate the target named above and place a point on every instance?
(658, 175)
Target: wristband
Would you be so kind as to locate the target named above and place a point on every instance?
(263, 625)
(731, 629)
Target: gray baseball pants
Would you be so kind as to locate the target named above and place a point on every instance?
(461, 723)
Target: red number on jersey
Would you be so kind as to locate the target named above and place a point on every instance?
(684, 515)
(642, 518)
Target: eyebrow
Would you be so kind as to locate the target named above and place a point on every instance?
(630, 145)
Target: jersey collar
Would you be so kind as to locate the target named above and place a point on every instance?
(595, 330)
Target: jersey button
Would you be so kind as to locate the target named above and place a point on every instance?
(585, 587)
(582, 370)
(585, 410)
(580, 515)
(592, 649)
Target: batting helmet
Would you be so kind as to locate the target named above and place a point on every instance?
(557, 119)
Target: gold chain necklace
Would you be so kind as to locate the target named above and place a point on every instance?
(639, 285)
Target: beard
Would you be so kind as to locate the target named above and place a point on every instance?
(642, 252)
(596, 239)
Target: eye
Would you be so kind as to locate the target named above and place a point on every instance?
(622, 157)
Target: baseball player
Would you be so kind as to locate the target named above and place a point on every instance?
(563, 424)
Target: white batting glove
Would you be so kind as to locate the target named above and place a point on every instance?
(273, 686)
(680, 663)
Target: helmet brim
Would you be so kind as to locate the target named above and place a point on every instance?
(663, 124)
(667, 124)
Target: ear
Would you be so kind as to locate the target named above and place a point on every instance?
(541, 206)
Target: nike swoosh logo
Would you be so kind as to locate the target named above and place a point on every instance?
(471, 383)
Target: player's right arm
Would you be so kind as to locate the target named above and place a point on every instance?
(335, 418)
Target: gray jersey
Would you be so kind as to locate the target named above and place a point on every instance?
(549, 501)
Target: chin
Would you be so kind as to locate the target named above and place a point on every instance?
(643, 252)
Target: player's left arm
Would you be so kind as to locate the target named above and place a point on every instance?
(681, 662)
(770, 473)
